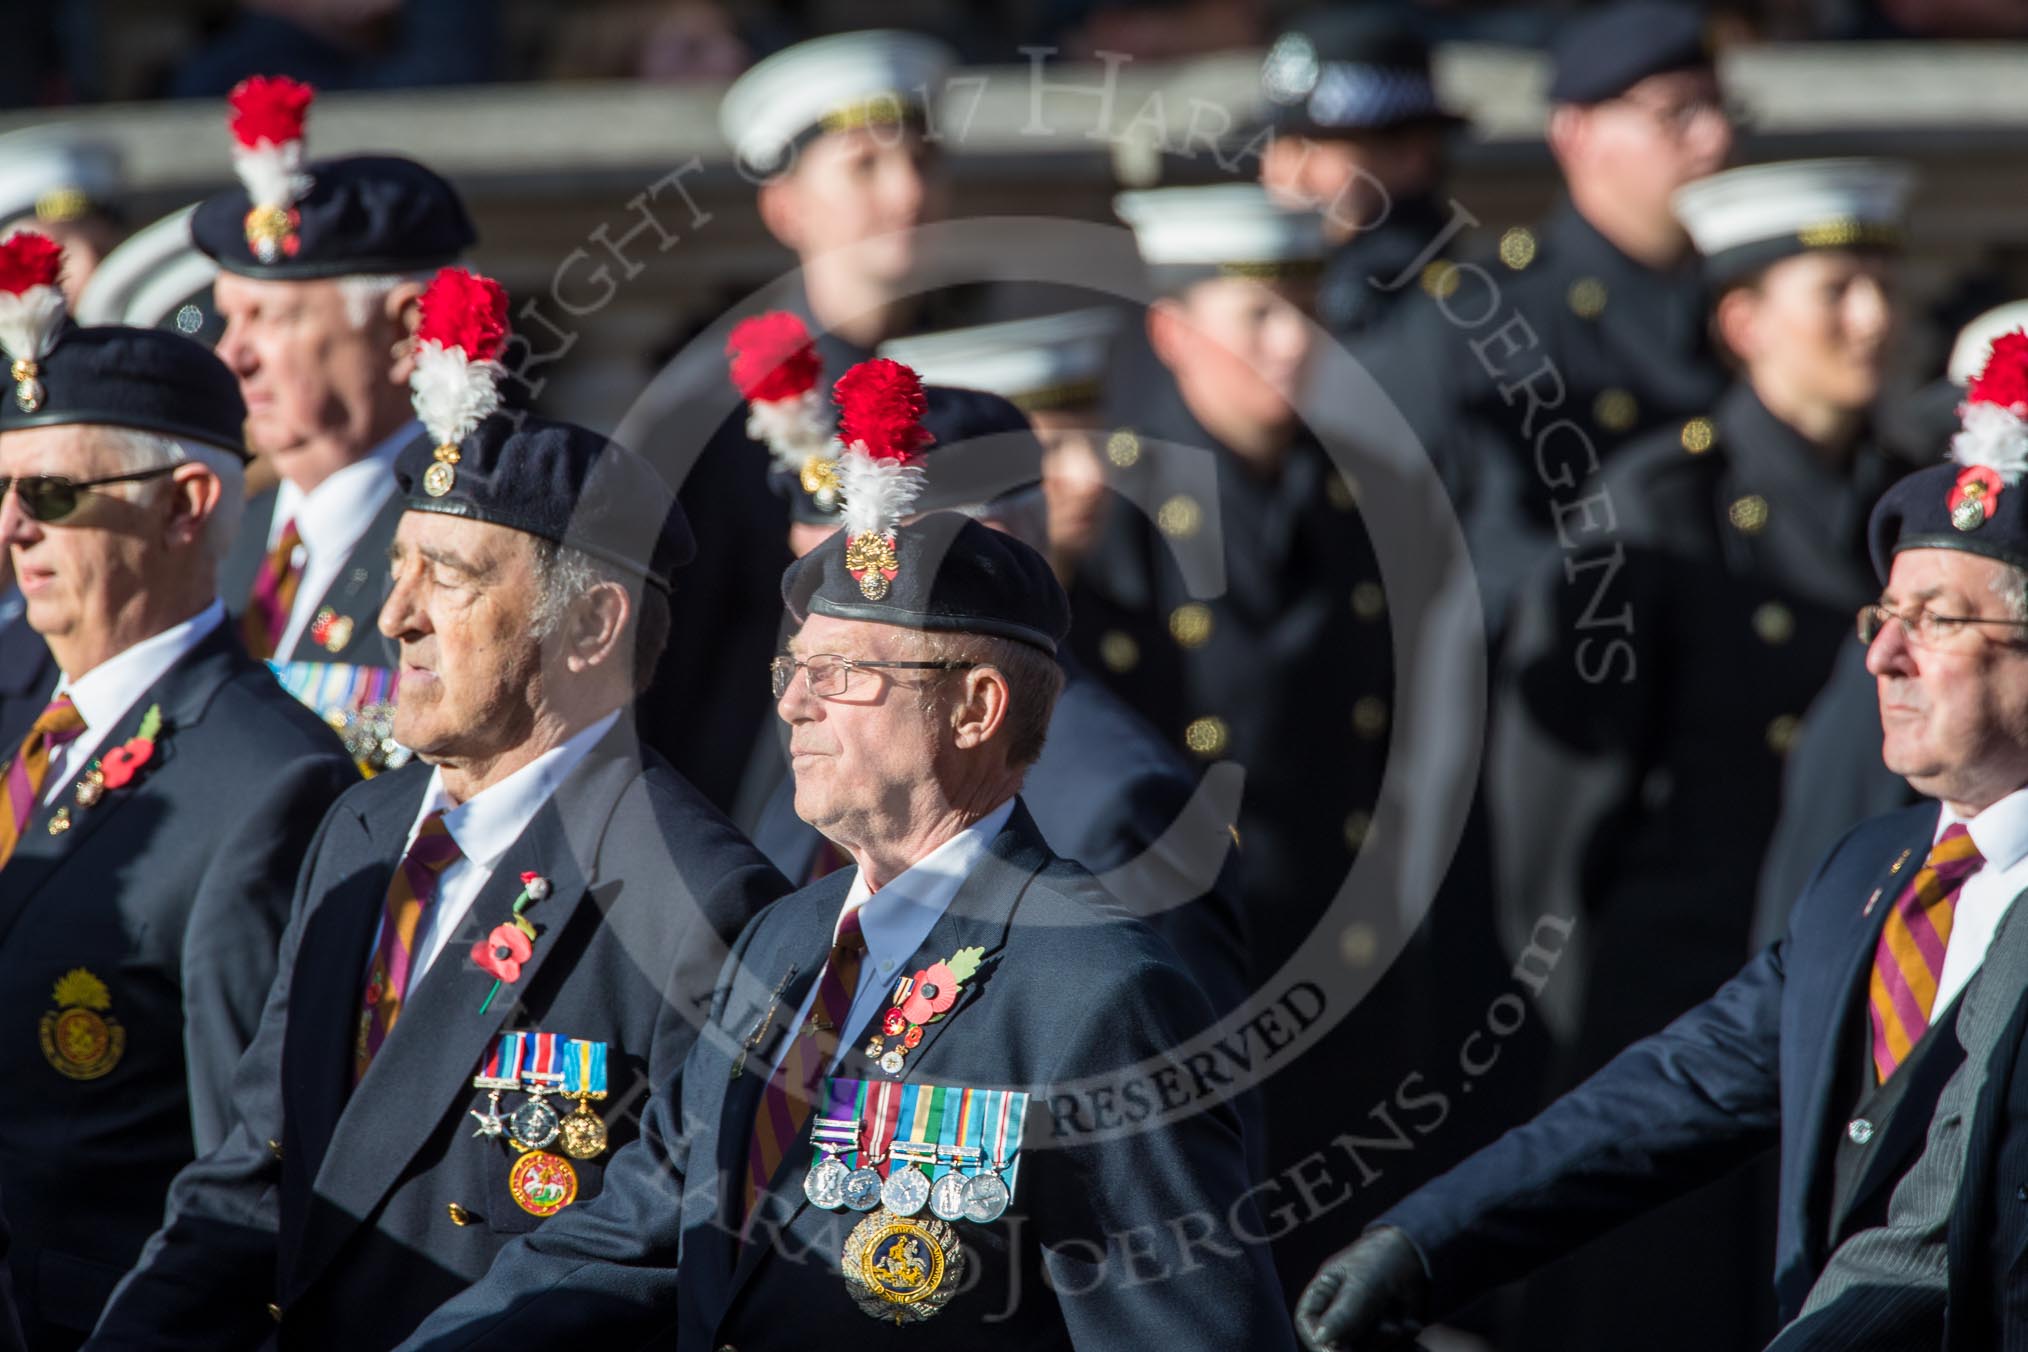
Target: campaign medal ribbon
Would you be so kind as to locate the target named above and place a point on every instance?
(584, 1079)
(903, 1268)
(535, 1124)
(989, 1191)
(501, 1071)
(878, 1105)
(833, 1131)
(957, 1149)
(908, 1188)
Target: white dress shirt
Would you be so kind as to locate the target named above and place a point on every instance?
(104, 694)
(484, 826)
(2001, 833)
(897, 920)
(331, 518)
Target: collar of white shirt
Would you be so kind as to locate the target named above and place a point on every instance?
(332, 516)
(2000, 832)
(489, 822)
(105, 693)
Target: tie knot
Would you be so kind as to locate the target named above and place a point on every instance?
(434, 847)
(288, 541)
(850, 938)
(1954, 854)
(60, 721)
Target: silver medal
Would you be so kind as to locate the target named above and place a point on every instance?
(947, 1197)
(905, 1191)
(862, 1189)
(534, 1124)
(985, 1198)
(824, 1185)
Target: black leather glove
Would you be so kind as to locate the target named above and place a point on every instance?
(1371, 1297)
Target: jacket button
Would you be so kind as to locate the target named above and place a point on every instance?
(275, 1149)
(274, 1312)
(2021, 1193)
(1859, 1130)
(459, 1216)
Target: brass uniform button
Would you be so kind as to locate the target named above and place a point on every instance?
(1517, 248)
(275, 1149)
(1440, 279)
(1369, 717)
(1180, 516)
(1781, 733)
(1749, 514)
(1123, 448)
(1206, 736)
(1774, 623)
(1358, 826)
(1615, 410)
(1357, 944)
(1699, 436)
(460, 1216)
(274, 1312)
(1369, 601)
(1119, 651)
(1342, 492)
(1190, 624)
(1587, 297)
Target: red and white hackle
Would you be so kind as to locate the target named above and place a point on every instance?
(31, 310)
(456, 382)
(267, 116)
(880, 410)
(1992, 443)
(776, 368)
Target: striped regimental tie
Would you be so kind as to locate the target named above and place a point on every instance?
(29, 770)
(412, 892)
(1910, 959)
(274, 596)
(790, 1098)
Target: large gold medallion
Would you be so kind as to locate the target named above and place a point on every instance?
(902, 1268)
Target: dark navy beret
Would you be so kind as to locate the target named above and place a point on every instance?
(951, 575)
(1918, 513)
(985, 449)
(559, 482)
(149, 380)
(1342, 70)
(1603, 54)
(363, 214)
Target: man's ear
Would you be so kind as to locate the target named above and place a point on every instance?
(1167, 330)
(981, 709)
(778, 202)
(593, 633)
(401, 308)
(1732, 320)
(1566, 135)
(194, 493)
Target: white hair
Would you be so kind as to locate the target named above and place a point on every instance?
(2011, 585)
(135, 450)
(365, 292)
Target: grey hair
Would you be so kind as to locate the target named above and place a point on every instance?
(363, 293)
(2010, 584)
(135, 450)
(564, 576)
(1034, 681)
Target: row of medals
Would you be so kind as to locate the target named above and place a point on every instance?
(980, 1197)
(535, 1125)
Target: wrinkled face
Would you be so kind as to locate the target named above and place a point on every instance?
(1818, 325)
(1242, 347)
(1954, 709)
(1660, 134)
(872, 183)
(311, 378)
(472, 678)
(863, 757)
(80, 574)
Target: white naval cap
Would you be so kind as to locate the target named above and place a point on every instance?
(56, 175)
(1053, 361)
(1744, 219)
(156, 277)
(874, 77)
(1227, 227)
(1975, 340)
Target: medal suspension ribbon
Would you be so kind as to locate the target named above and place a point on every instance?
(877, 1129)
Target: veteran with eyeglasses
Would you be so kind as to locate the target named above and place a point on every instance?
(923, 1093)
(1834, 1043)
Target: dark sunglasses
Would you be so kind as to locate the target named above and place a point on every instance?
(51, 497)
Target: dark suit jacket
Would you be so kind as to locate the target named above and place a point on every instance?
(1070, 989)
(27, 676)
(170, 894)
(1758, 1064)
(336, 1203)
(357, 592)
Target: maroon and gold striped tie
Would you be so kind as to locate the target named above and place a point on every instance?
(408, 897)
(1909, 960)
(21, 789)
(274, 596)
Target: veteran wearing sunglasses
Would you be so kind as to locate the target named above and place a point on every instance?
(151, 818)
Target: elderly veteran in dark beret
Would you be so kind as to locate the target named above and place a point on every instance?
(1833, 1044)
(886, 1120)
(493, 950)
(152, 815)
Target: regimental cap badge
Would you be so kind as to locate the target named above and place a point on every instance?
(776, 368)
(456, 384)
(31, 310)
(267, 116)
(1992, 443)
(880, 410)
(80, 1038)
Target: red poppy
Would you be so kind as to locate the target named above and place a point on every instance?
(935, 990)
(912, 1036)
(122, 763)
(1989, 483)
(894, 1023)
(502, 952)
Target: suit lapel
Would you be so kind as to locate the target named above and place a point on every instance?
(423, 1071)
(249, 547)
(354, 595)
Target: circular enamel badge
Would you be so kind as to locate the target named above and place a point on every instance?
(902, 1268)
(542, 1184)
(439, 479)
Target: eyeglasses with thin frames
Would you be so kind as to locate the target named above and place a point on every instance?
(1922, 627)
(826, 675)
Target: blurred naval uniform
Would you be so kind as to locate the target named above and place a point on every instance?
(139, 916)
(1624, 345)
(727, 604)
(1650, 687)
(1363, 76)
(349, 1200)
(309, 572)
(64, 183)
(1074, 1240)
